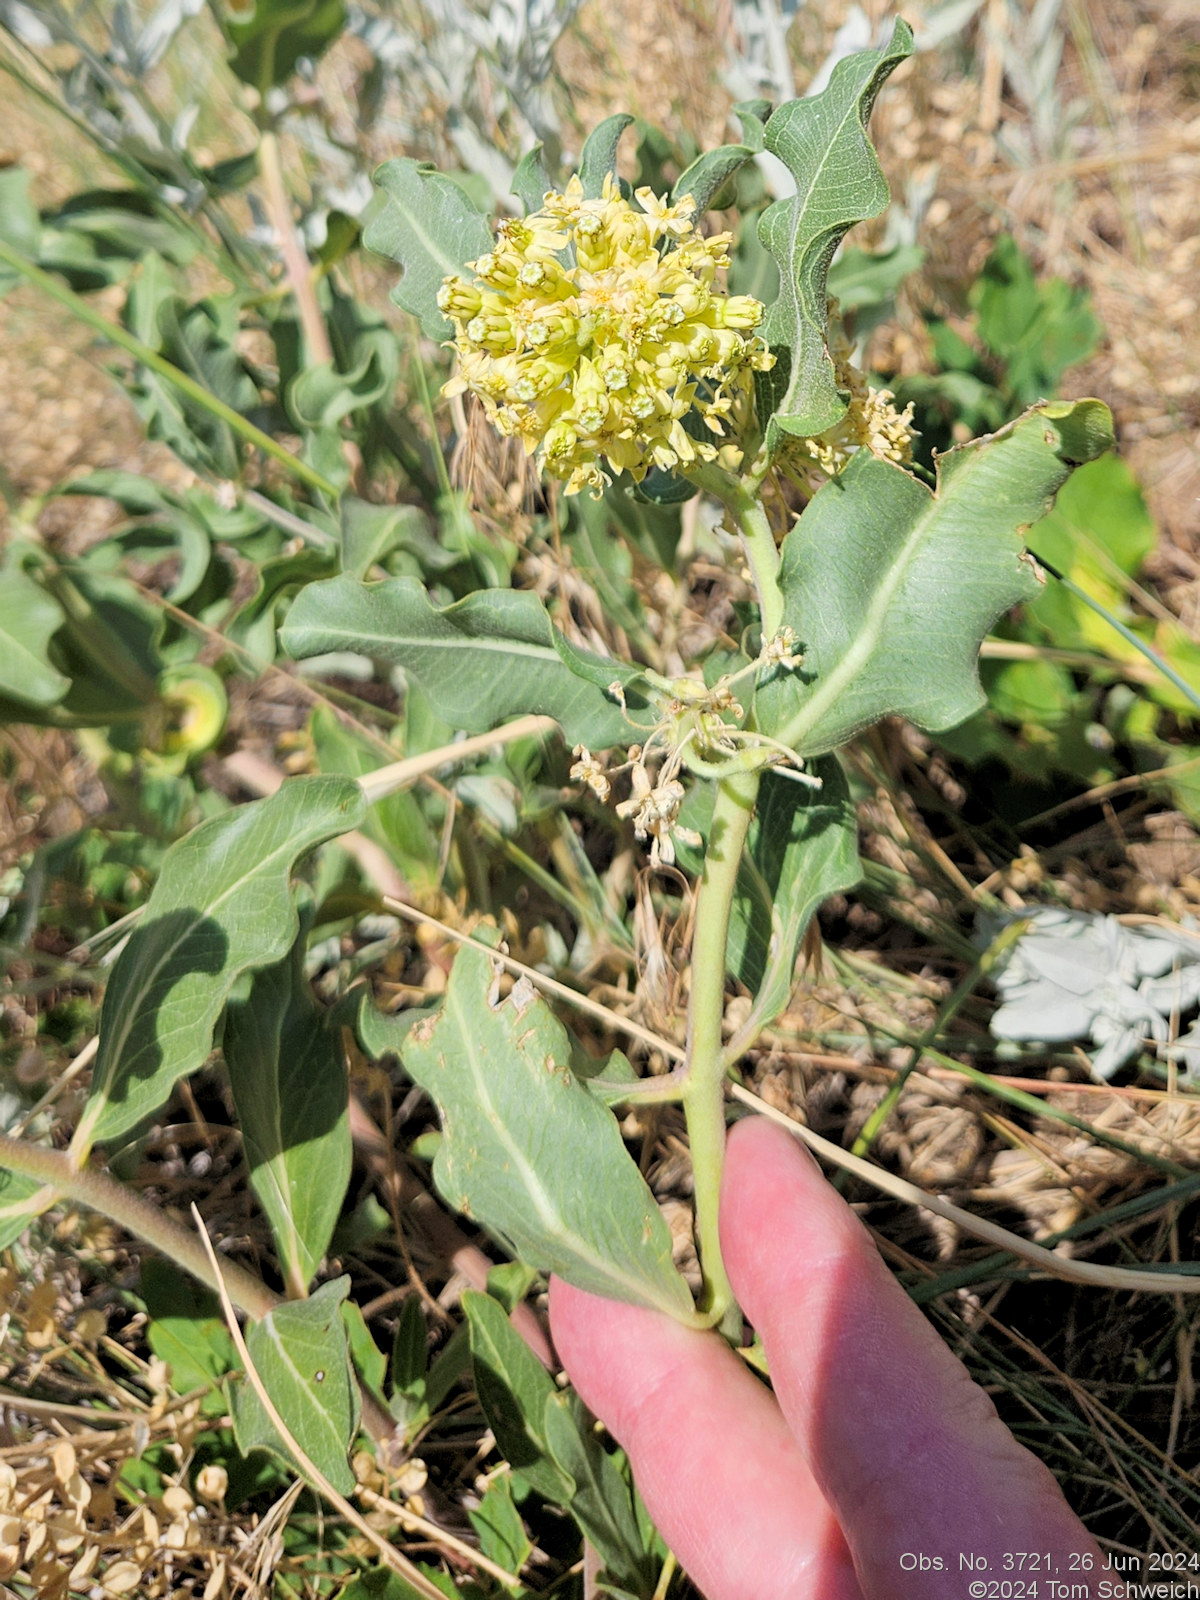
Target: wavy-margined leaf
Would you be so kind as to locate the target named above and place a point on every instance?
(711, 170)
(29, 619)
(891, 586)
(494, 655)
(529, 1153)
(427, 224)
(290, 1090)
(322, 396)
(823, 142)
(301, 1353)
(222, 906)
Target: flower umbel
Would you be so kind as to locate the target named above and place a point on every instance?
(601, 358)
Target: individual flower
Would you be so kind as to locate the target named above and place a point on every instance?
(594, 328)
(588, 770)
(654, 808)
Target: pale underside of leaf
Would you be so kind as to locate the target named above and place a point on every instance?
(530, 1153)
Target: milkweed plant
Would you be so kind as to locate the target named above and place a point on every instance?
(598, 330)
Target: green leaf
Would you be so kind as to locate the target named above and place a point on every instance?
(529, 1153)
(598, 157)
(602, 1502)
(370, 533)
(396, 823)
(322, 396)
(494, 655)
(369, 1360)
(502, 1536)
(22, 1201)
(381, 1583)
(547, 1437)
(823, 142)
(1099, 530)
(29, 619)
(270, 36)
(410, 1348)
(300, 1352)
(186, 1330)
(1037, 330)
(802, 848)
(383, 1033)
(428, 225)
(709, 173)
(514, 1389)
(202, 340)
(222, 906)
(290, 1092)
(253, 627)
(891, 587)
(531, 182)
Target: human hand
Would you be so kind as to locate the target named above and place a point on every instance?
(877, 1450)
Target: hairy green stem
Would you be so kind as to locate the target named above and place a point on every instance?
(704, 1089)
(124, 340)
(741, 501)
(136, 1215)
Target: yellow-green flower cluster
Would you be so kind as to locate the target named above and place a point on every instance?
(593, 328)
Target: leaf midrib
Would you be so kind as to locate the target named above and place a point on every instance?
(800, 212)
(549, 1217)
(394, 641)
(867, 637)
(272, 1333)
(434, 250)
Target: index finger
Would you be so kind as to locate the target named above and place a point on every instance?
(910, 1453)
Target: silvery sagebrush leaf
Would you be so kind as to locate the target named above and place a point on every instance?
(1081, 975)
(528, 1152)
